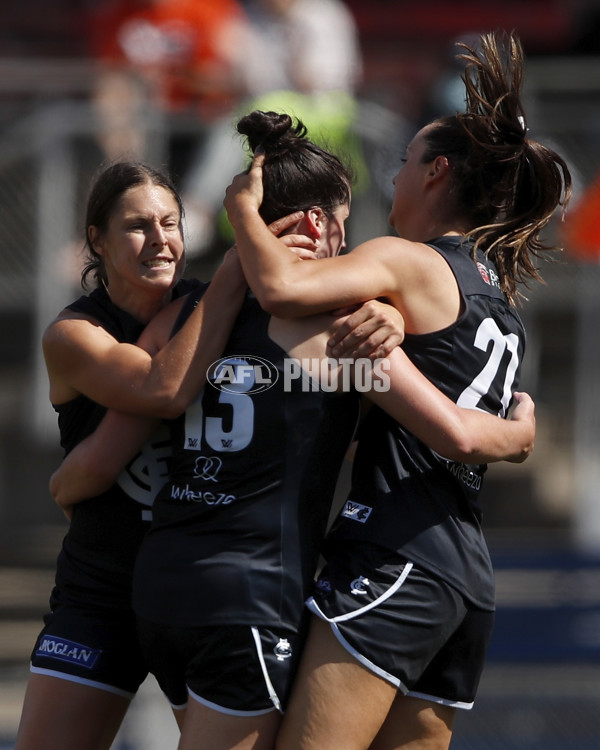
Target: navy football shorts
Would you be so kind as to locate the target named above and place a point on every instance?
(239, 670)
(404, 624)
(93, 646)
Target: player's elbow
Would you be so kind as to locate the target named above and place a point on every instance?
(172, 406)
(54, 487)
(280, 300)
(461, 448)
(460, 444)
(523, 453)
(164, 397)
(173, 399)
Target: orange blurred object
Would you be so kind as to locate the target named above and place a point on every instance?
(581, 228)
(176, 44)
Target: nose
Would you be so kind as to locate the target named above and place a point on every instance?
(159, 236)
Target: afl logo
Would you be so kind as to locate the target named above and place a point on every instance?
(245, 374)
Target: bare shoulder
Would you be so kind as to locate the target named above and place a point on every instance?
(70, 328)
(396, 251)
(74, 347)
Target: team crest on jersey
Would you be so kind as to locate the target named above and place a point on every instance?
(149, 470)
(356, 511)
(359, 586)
(283, 650)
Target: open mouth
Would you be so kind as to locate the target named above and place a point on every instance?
(157, 263)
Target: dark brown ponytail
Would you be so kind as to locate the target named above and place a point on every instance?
(506, 186)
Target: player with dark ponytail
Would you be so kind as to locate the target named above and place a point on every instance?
(403, 610)
(506, 185)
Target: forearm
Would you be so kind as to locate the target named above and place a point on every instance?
(178, 370)
(499, 440)
(94, 465)
(75, 484)
(269, 267)
(458, 434)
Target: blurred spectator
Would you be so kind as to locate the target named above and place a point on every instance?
(304, 45)
(446, 96)
(166, 56)
(581, 229)
(298, 56)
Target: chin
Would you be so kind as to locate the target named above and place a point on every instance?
(164, 280)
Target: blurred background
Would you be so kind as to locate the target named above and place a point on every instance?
(83, 82)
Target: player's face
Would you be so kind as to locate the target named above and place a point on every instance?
(142, 248)
(333, 238)
(407, 184)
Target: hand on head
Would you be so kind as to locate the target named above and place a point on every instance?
(288, 230)
(245, 191)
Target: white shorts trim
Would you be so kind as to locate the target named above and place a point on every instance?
(259, 651)
(314, 607)
(441, 701)
(392, 679)
(82, 681)
(176, 706)
(228, 711)
(269, 685)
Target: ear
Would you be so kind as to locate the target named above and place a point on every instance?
(439, 169)
(94, 237)
(315, 221)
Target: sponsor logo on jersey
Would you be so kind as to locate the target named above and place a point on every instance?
(65, 650)
(243, 374)
(283, 650)
(488, 275)
(356, 511)
(484, 272)
(359, 586)
(465, 474)
(185, 493)
(207, 468)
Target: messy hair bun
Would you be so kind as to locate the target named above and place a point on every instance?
(297, 174)
(272, 131)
